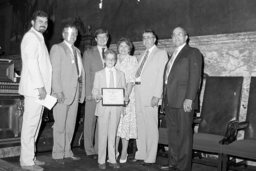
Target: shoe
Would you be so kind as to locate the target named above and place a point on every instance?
(123, 160)
(74, 158)
(93, 156)
(39, 163)
(114, 165)
(32, 168)
(102, 166)
(137, 161)
(168, 167)
(147, 164)
(164, 167)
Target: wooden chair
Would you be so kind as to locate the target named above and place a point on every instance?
(221, 104)
(246, 148)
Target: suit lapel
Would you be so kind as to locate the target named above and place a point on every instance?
(150, 58)
(180, 55)
(97, 56)
(104, 79)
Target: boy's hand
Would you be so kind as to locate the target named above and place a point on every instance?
(98, 98)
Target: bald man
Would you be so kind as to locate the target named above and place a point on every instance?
(182, 78)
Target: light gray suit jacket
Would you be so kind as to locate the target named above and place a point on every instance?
(65, 77)
(36, 65)
(151, 78)
(100, 82)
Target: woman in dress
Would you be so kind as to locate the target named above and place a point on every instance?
(127, 128)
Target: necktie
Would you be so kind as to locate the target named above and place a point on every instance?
(102, 55)
(142, 64)
(111, 79)
(169, 65)
(75, 59)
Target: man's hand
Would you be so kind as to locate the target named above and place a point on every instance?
(154, 101)
(42, 93)
(187, 105)
(60, 97)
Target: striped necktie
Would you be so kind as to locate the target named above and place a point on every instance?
(142, 64)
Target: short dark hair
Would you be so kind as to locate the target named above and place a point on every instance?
(149, 31)
(69, 25)
(39, 13)
(127, 41)
(109, 51)
(100, 31)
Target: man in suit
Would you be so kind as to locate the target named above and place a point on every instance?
(93, 62)
(35, 83)
(148, 92)
(182, 79)
(68, 79)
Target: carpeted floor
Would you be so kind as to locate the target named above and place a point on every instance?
(88, 164)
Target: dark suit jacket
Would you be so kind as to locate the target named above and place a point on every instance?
(184, 78)
(92, 63)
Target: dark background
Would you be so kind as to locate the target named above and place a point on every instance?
(127, 17)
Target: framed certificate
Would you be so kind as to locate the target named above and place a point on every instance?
(113, 96)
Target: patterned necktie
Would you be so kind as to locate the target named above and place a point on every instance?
(75, 59)
(142, 64)
(111, 79)
(170, 64)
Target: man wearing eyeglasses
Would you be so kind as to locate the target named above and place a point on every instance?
(148, 92)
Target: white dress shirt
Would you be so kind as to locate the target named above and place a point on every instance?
(113, 69)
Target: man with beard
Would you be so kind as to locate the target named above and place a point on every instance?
(35, 83)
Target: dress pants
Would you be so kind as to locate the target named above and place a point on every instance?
(63, 128)
(90, 144)
(32, 118)
(179, 124)
(107, 127)
(147, 141)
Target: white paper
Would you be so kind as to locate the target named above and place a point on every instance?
(48, 102)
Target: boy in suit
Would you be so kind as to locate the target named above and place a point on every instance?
(108, 116)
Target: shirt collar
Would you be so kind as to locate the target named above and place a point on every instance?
(37, 32)
(100, 48)
(68, 44)
(151, 49)
(110, 69)
(180, 47)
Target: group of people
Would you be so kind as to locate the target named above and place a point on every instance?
(150, 81)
